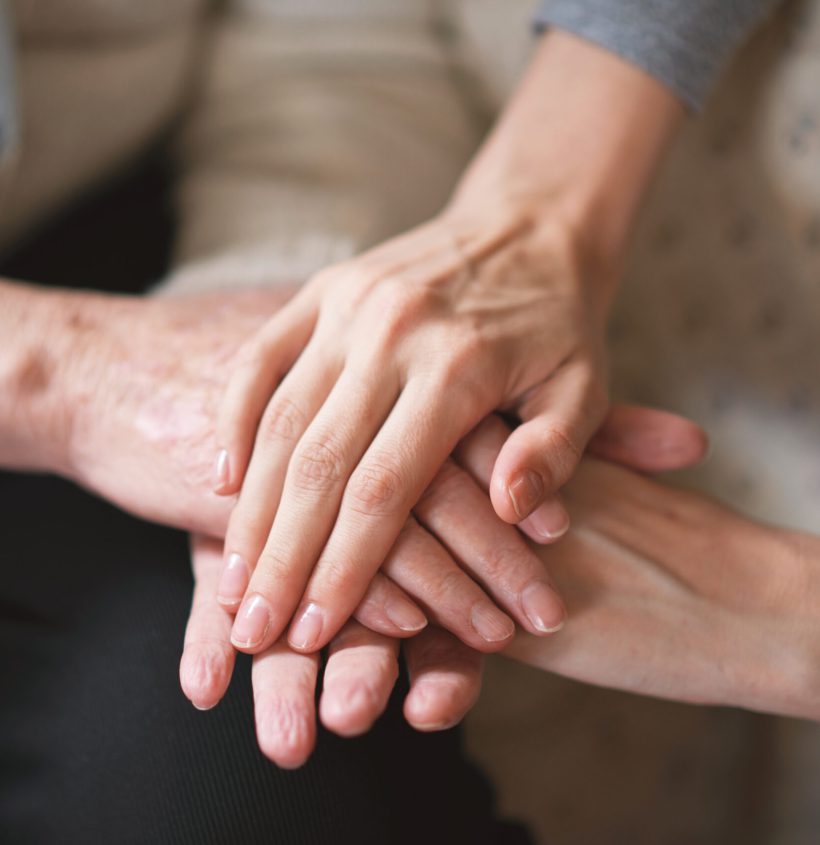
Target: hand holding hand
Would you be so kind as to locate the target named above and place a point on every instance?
(361, 668)
(406, 349)
(345, 406)
(444, 673)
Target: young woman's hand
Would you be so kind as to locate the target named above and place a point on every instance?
(346, 405)
(410, 346)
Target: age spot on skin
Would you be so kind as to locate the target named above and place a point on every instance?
(31, 374)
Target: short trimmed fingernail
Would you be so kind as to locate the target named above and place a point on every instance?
(234, 581)
(549, 521)
(222, 474)
(307, 629)
(525, 491)
(251, 623)
(543, 608)
(436, 726)
(404, 614)
(490, 624)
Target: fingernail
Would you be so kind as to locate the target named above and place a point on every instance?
(221, 470)
(543, 608)
(436, 726)
(234, 581)
(307, 629)
(549, 521)
(404, 614)
(251, 623)
(490, 624)
(525, 492)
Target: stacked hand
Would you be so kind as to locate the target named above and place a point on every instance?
(444, 673)
(344, 409)
(143, 437)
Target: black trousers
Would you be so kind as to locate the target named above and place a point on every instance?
(97, 743)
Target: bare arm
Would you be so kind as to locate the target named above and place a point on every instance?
(40, 330)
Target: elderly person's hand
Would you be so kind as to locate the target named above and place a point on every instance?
(110, 391)
(135, 424)
(345, 406)
(359, 673)
(362, 666)
(148, 375)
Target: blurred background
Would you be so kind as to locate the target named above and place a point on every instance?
(313, 129)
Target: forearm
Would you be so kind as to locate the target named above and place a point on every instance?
(577, 146)
(40, 330)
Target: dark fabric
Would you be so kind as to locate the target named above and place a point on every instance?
(97, 743)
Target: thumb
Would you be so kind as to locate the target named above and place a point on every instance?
(540, 456)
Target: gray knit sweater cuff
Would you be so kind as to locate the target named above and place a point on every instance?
(682, 43)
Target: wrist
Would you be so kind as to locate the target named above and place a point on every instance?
(782, 647)
(39, 368)
(578, 144)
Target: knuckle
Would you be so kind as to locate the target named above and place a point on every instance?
(317, 465)
(463, 377)
(376, 489)
(449, 587)
(447, 485)
(252, 355)
(565, 449)
(400, 307)
(271, 569)
(360, 696)
(495, 565)
(282, 420)
(467, 356)
(337, 581)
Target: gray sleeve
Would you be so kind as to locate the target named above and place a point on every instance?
(682, 43)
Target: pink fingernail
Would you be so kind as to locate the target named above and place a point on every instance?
(404, 615)
(221, 470)
(549, 522)
(251, 623)
(234, 581)
(306, 630)
(490, 624)
(543, 608)
(525, 491)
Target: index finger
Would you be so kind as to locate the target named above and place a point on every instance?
(402, 460)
